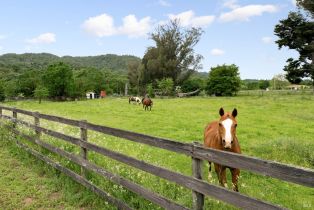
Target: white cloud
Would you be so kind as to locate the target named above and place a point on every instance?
(231, 4)
(2, 36)
(164, 3)
(1, 48)
(244, 13)
(100, 26)
(45, 38)
(188, 18)
(267, 39)
(217, 52)
(134, 28)
(103, 25)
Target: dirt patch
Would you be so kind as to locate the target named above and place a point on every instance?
(28, 201)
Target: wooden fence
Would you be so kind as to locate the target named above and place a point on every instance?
(197, 153)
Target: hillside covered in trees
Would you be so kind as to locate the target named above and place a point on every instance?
(22, 74)
(20, 62)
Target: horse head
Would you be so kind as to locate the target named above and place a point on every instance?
(227, 127)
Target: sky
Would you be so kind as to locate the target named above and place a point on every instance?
(236, 32)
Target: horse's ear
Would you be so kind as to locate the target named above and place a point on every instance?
(234, 112)
(221, 111)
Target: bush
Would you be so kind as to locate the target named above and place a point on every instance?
(166, 86)
(224, 80)
(193, 84)
(150, 90)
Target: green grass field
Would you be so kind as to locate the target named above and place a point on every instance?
(273, 127)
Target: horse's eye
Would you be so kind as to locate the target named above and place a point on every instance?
(220, 124)
(235, 125)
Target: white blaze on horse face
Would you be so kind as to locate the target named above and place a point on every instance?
(227, 123)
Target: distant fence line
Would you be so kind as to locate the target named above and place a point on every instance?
(199, 187)
(275, 92)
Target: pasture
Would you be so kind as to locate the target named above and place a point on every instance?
(276, 128)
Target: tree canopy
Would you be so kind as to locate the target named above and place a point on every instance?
(22, 74)
(223, 80)
(58, 79)
(173, 56)
(296, 32)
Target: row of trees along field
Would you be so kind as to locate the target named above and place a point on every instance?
(171, 65)
(45, 75)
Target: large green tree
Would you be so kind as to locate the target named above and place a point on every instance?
(297, 32)
(58, 78)
(223, 80)
(134, 75)
(28, 81)
(173, 56)
(40, 93)
(194, 83)
(89, 79)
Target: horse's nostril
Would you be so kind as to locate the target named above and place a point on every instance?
(231, 142)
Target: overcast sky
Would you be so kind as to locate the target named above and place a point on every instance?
(236, 31)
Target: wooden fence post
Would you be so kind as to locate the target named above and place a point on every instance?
(14, 114)
(198, 198)
(0, 112)
(37, 123)
(83, 149)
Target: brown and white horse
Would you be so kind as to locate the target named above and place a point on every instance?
(136, 100)
(221, 135)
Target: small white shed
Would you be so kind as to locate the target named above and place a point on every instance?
(90, 95)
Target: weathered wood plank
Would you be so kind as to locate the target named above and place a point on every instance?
(217, 192)
(77, 178)
(14, 119)
(60, 120)
(37, 123)
(6, 108)
(6, 117)
(265, 167)
(280, 171)
(83, 133)
(163, 143)
(25, 112)
(149, 195)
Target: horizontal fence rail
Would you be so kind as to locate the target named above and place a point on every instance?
(280, 171)
(265, 167)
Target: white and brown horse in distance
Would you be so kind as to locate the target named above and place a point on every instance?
(221, 135)
(135, 100)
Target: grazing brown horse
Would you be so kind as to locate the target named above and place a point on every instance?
(147, 102)
(221, 135)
